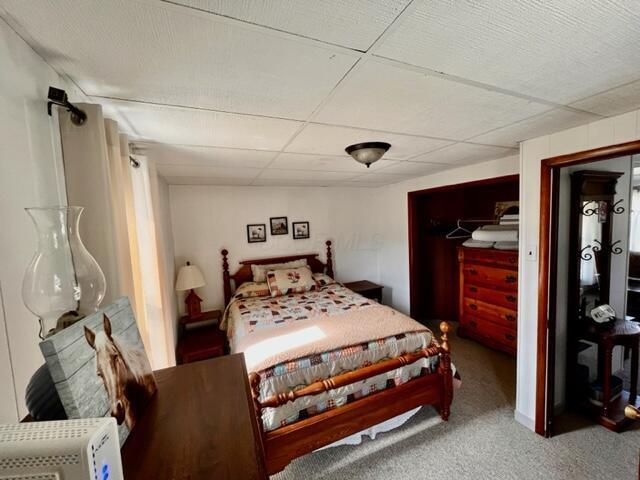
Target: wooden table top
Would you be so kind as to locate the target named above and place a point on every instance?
(362, 285)
(199, 425)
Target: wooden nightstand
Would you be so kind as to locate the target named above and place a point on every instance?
(366, 289)
(200, 343)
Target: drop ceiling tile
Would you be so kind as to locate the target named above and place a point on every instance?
(327, 163)
(157, 53)
(416, 169)
(207, 181)
(354, 24)
(332, 140)
(558, 50)
(206, 156)
(273, 173)
(384, 97)
(278, 182)
(205, 171)
(543, 124)
(466, 154)
(612, 102)
(380, 178)
(184, 126)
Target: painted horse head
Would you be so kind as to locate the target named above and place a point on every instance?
(112, 369)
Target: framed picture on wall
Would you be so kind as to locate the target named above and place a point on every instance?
(300, 230)
(279, 225)
(256, 233)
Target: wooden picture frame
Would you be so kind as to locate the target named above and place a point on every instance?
(300, 230)
(279, 225)
(256, 232)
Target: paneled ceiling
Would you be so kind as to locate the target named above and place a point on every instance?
(270, 92)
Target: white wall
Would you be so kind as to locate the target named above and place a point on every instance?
(610, 131)
(30, 175)
(208, 218)
(392, 221)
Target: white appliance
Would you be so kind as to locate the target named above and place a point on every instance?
(84, 449)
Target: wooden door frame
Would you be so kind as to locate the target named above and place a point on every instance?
(547, 269)
(412, 197)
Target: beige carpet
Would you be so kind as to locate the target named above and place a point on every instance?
(481, 439)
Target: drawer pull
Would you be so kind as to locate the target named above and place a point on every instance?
(508, 336)
(510, 298)
(510, 318)
(510, 279)
(472, 271)
(473, 306)
(473, 289)
(473, 323)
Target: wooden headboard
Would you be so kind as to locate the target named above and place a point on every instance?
(244, 273)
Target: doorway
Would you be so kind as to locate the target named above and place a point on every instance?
(552, 321)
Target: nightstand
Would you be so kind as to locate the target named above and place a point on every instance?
(366, 289)
(201, 342)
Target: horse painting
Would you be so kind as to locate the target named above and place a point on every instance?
(125, 373)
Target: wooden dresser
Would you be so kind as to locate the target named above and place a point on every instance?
(199, 425)
(489, 297)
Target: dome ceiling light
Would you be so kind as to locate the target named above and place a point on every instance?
(368, 152)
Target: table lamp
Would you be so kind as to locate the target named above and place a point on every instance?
(190, 277)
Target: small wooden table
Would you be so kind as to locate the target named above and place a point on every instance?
(366, 289)
(200, 343)
(200, 425)
(621, 332)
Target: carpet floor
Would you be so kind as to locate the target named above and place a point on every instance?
(480, 440)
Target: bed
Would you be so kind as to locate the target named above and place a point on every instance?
(316, 375)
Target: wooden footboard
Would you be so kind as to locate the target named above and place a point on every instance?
(286, 443)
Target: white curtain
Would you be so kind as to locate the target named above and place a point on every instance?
(121, 226)
(634, 238)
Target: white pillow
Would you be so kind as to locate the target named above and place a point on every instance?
(260, 271)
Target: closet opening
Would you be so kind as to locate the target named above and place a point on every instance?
(476, 288)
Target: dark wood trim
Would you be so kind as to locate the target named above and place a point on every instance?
(413, 242)
(472, 183)
(545, 374)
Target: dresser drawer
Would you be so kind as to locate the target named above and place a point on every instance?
(489, 330)
(501, 258)
(496, 277)
(493, 313)
(507, 299)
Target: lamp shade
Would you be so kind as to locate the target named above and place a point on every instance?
(189, 276)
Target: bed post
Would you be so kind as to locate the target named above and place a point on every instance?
(329, 259)
(225, 277)
(254, 383)
(445, 371)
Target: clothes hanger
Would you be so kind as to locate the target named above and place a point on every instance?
(459, 232)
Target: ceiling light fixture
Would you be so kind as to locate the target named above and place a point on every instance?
(368, 152)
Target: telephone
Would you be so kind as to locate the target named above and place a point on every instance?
(603, 313)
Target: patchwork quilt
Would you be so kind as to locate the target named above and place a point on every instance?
(258, 326)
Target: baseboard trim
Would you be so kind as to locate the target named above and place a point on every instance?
(524, 420)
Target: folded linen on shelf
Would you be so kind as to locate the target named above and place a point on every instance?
(477, 244)
(513, 226)
(495, 235)
(506, 246)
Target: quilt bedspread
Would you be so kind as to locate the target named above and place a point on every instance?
(249, 315)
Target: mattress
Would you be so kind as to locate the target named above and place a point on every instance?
(257, 315)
